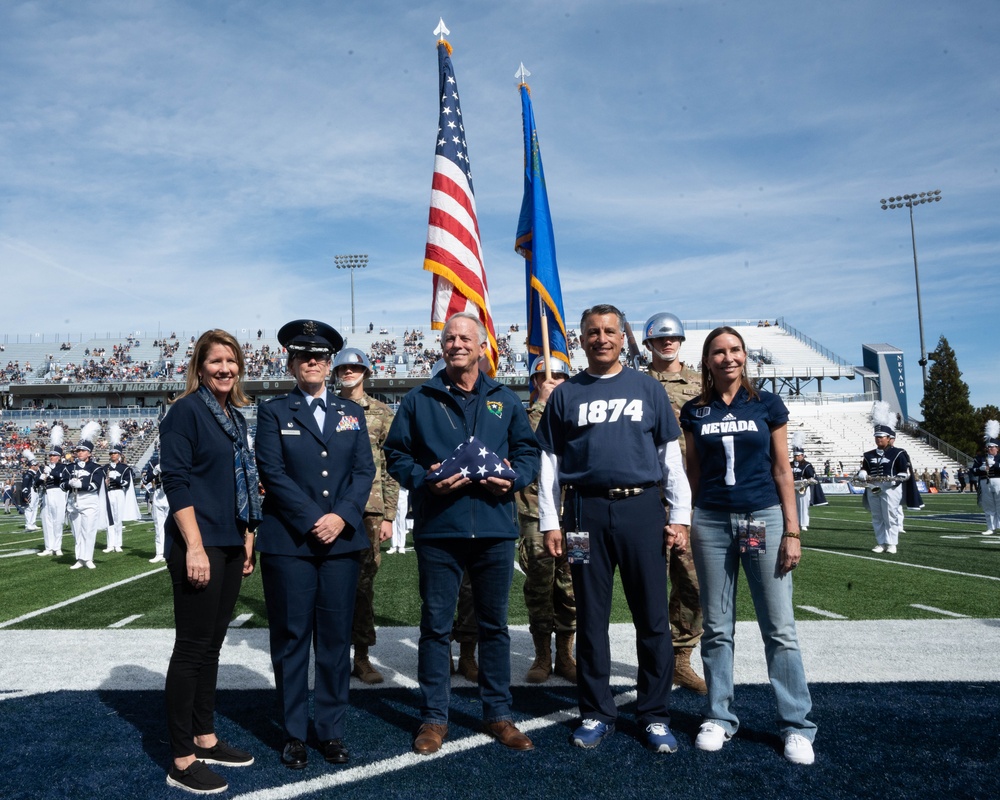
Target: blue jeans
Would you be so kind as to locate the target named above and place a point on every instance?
(440, 563)
(717, 559)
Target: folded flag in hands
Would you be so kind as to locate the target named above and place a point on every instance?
(473, 460)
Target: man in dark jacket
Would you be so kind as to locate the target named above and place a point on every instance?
(462, 522)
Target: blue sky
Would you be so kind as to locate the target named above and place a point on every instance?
(198, 164)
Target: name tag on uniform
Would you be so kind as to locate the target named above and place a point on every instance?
(292, 432)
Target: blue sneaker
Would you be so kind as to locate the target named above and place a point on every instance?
(659, 738)
(592, 732)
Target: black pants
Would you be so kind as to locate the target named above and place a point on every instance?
(201, 618)
(626, 534)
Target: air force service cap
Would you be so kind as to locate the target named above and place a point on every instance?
(309, 336)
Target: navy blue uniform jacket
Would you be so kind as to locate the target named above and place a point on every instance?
(429, 425)
(307, 473)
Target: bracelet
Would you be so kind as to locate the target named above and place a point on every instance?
(787, 535)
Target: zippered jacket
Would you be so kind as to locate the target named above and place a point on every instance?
(428, 426)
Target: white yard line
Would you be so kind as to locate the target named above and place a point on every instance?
(78, 598)
(903, 564)
(821, 612)
(241, 620)
(127, 621)
(939, 611)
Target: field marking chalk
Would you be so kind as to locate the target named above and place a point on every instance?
(78, 598)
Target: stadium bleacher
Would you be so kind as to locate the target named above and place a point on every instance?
(786, 361)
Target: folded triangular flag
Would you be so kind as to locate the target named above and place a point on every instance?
(473, 460)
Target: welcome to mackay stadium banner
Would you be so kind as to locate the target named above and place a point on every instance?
(454, 253)
(536, 242)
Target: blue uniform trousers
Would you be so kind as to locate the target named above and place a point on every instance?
(311, 600)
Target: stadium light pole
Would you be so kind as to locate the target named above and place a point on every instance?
(909, 201)
(351, 262)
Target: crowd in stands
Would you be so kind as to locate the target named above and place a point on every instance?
(15, 439)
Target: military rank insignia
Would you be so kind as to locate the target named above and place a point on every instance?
(348, 423)
(495, 407)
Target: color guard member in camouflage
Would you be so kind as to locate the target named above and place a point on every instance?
(350, 369)
(548, 585)
(662, 336)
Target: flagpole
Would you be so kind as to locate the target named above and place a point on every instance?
(546, 352)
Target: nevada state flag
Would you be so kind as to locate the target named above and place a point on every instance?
(473, 460)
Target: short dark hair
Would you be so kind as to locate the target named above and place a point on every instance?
(599, 311)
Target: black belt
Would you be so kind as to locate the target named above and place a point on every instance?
(613, 492)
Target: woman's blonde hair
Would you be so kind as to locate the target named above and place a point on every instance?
(200, 352)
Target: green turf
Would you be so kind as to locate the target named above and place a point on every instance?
(839, 575)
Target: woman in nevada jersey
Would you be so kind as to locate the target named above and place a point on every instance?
(744, 513)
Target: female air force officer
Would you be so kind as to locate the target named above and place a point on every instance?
(316, 466)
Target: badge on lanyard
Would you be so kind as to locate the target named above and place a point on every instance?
(752, 535)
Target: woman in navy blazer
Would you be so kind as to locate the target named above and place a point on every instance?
(210, 481)
(317, 469)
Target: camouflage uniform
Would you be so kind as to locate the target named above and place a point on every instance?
(381, 506)
(685, 604)
(548, 586)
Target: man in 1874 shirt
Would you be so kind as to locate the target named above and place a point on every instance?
(610, 437)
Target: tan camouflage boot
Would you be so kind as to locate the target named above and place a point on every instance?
(565, 663)
(363, 668)
(541, 668)
(467, 666)
(684, 675)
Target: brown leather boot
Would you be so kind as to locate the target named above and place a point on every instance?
(684, 674)
(467, 666)
(541, 667)
(565, 663)
(363, 668)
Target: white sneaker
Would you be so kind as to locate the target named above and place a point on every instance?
(91, 565)
(891, 549)
(711, 737)
(45, 553)
(57, 553)
(391, 551)
(77, 565)
(803, 528)
(798, 749)
(988, 533)
(109, 549)
(878, 549)
(119, 550)
(156, 559)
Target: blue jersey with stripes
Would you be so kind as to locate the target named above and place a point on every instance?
(733, 443)
(606, 430)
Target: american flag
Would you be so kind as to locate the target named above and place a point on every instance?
(475, 461)
(454, 253)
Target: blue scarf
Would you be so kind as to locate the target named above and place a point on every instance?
(247, 494)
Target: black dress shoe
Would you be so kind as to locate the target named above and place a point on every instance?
(335, 751)
(294, 756)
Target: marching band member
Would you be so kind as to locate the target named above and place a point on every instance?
(54, 501)
(883, 471)
(30, 493)
(987, 468)
(808, 492)
(82, 482)
(120, 481)
(159, 508)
